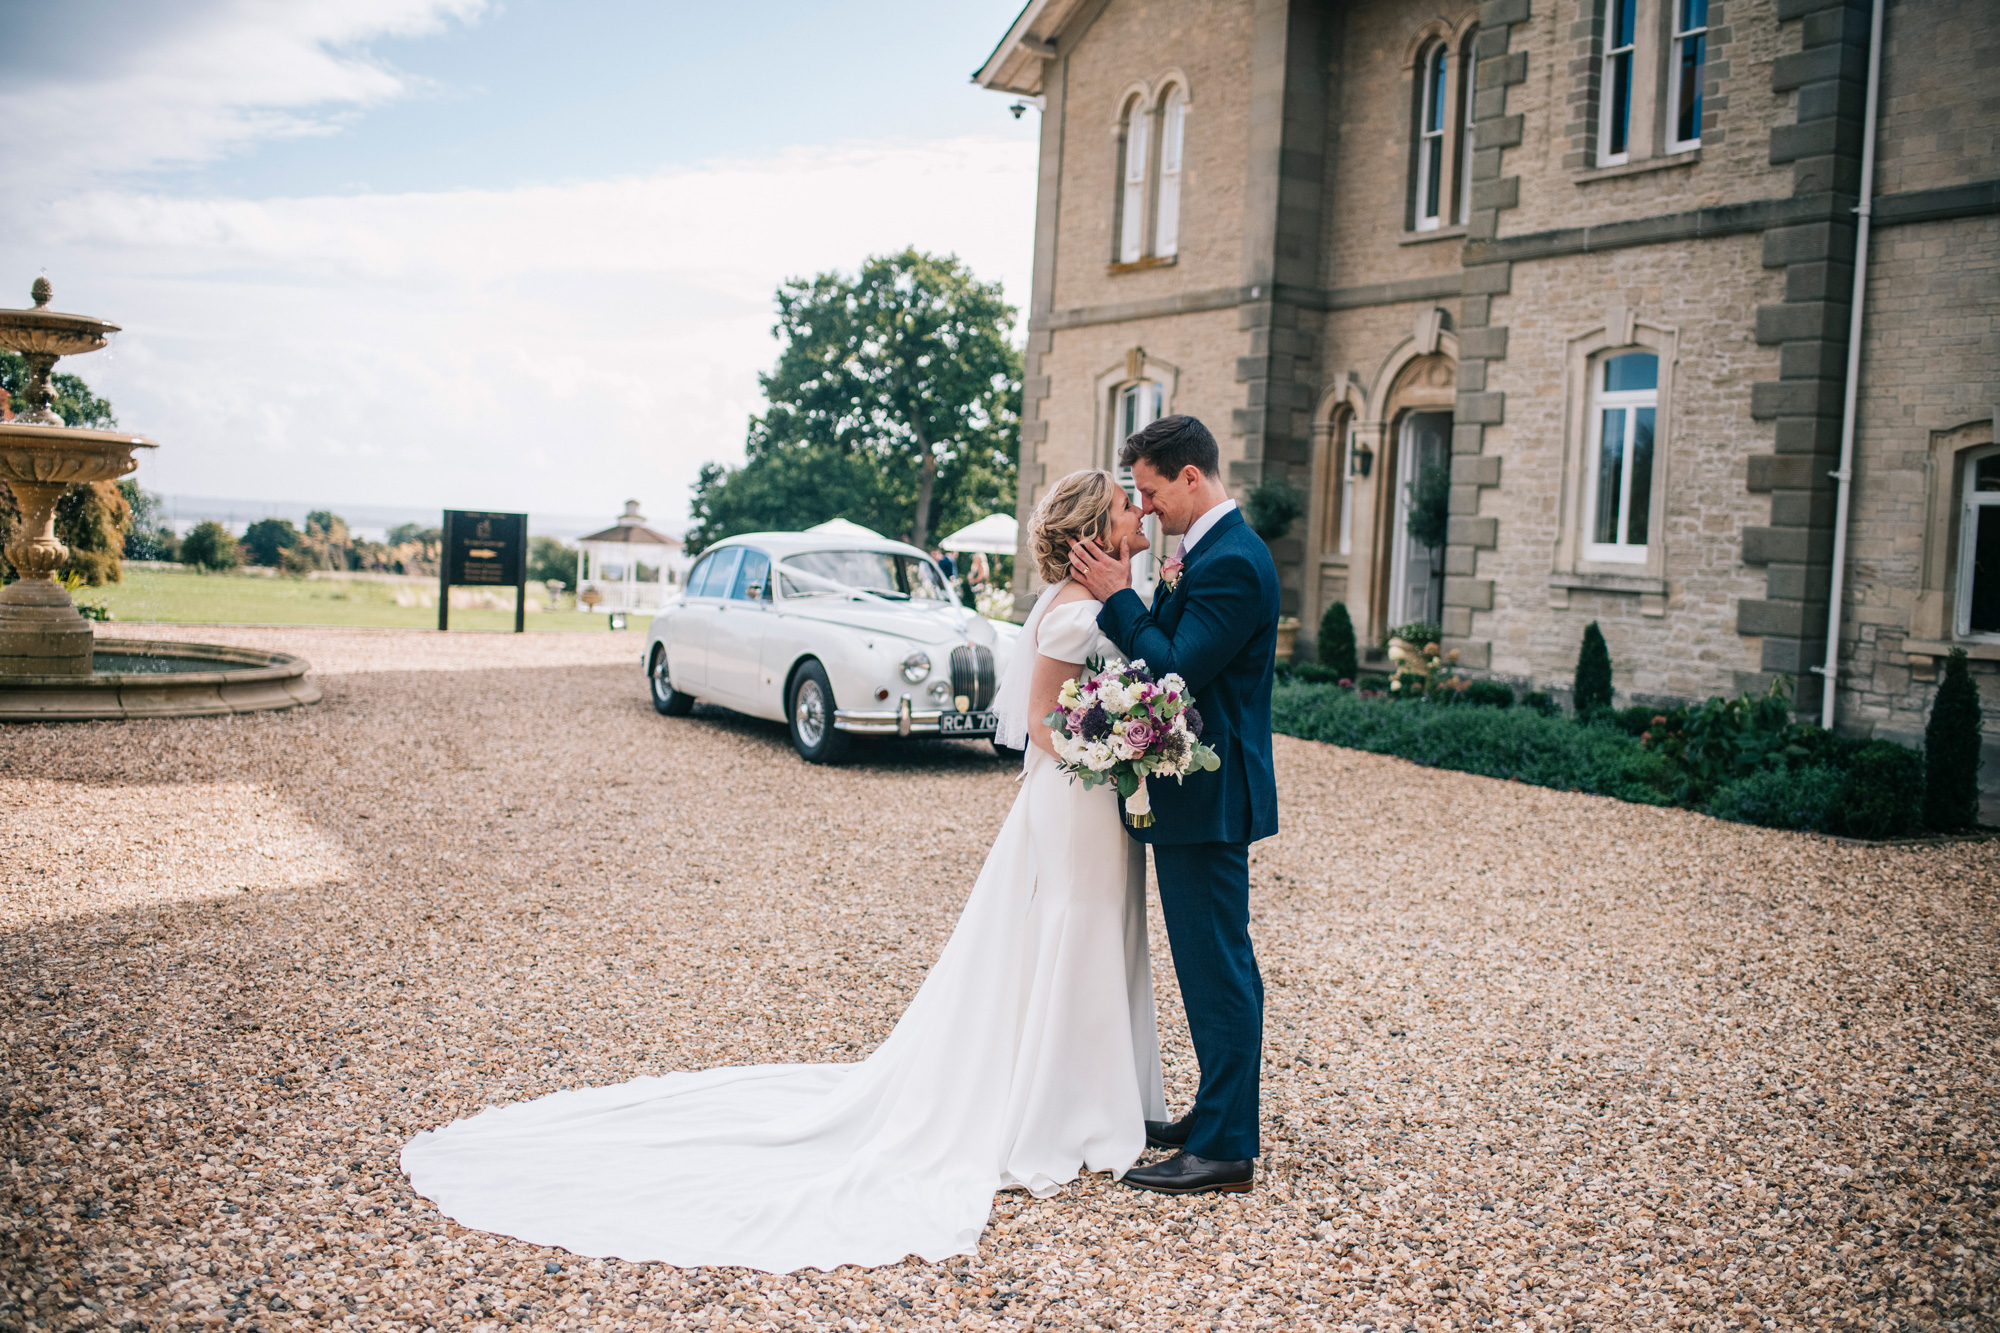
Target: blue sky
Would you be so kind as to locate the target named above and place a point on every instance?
(513, 253)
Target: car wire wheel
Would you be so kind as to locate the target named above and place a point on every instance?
(810, 717)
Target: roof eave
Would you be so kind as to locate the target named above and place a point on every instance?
(1016, 63)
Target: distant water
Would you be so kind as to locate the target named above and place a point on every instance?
(371, 522)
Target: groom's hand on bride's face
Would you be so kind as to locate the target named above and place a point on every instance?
(1100, 572)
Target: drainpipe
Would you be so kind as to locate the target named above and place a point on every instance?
(1844, 476)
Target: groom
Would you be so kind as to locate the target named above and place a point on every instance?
(1215, 621)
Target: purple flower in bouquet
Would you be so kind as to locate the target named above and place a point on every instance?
(1096, 723)
(1139, 734)
(1193, 716)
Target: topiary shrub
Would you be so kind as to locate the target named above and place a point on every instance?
(1273, 507)
(1593, 672)
(210, 547)
(1541, 701)
(1951, 750)
(1797, 798)
(1337, 648)
(1882, 795)
(1489, 693)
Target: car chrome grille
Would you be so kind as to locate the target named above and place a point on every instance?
(972, 675)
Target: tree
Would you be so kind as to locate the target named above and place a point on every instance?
(267, 540)
(1593, 672)
(895, 403)
(210, 547)
(1337, 648)
(551, 558)
(325, 543)
(1951, 750)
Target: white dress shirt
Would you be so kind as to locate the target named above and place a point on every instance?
(1199, 528)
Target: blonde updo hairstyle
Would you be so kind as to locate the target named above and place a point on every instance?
(1076, 507)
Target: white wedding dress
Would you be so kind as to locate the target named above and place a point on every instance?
(1029, 1054)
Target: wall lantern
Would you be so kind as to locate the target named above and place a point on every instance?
(1360, 459)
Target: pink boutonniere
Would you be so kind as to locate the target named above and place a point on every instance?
(1170, 573)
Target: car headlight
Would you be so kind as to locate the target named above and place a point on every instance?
(940, 690)
(916, 666)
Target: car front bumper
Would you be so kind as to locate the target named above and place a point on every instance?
(900, 721)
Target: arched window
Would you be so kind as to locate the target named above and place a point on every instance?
(1468, 65)
(1139, 406)
(1132, 175)
(1431, 122)
(1337, 523)
(1614, 130)
(1690, 57)
(1173, 137)
(1620, 503)
(1978, 591)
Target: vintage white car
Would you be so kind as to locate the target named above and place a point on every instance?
(834, 636)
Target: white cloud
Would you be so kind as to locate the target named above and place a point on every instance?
(141, 87)
(549, 347)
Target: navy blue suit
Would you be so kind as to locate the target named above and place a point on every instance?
(1218, 629)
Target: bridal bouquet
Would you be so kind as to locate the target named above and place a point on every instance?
(1122, 726)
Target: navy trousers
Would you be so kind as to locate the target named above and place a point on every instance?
(1205, 897)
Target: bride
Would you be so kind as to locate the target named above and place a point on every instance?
(1028, 1055)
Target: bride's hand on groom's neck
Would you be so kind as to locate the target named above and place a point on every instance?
(1100, 572)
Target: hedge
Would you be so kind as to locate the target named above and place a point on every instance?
(1760, 768)
(1511, 743)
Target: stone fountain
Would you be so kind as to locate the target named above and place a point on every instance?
(52, 666)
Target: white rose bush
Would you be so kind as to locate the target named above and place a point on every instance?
(1122, 726)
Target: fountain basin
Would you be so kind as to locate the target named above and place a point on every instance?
(137, 678)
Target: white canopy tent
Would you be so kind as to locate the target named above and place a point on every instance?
(996, 534)
(840, 527)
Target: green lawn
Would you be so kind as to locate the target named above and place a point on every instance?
(183, 597)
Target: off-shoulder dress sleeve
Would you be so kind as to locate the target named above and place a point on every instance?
(1069, 633)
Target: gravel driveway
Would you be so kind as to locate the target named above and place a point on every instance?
(1534, 1059)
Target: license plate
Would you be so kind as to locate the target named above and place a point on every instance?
(966, 724)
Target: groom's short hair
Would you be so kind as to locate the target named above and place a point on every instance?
(1170, 444)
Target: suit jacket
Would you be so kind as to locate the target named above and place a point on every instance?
(1218, 628)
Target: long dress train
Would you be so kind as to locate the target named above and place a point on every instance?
(1029, 1054)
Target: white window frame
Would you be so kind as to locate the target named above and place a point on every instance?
(1132, 172)
(1347, 479)
(1173, 149)
(1468, 85)
(1630, 402)
(1970, 503)
(1686, 33)
(1432, 115)
(1610, 113)
(1139, 405)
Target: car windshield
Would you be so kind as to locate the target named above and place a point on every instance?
(883, 573)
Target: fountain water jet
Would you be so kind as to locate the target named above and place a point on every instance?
(48, 651)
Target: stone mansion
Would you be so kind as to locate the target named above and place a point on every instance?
(1593, 259)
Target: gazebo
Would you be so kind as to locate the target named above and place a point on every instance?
(628, 565)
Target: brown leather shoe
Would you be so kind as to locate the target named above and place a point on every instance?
(1169, 1133)
(1184, 1173)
